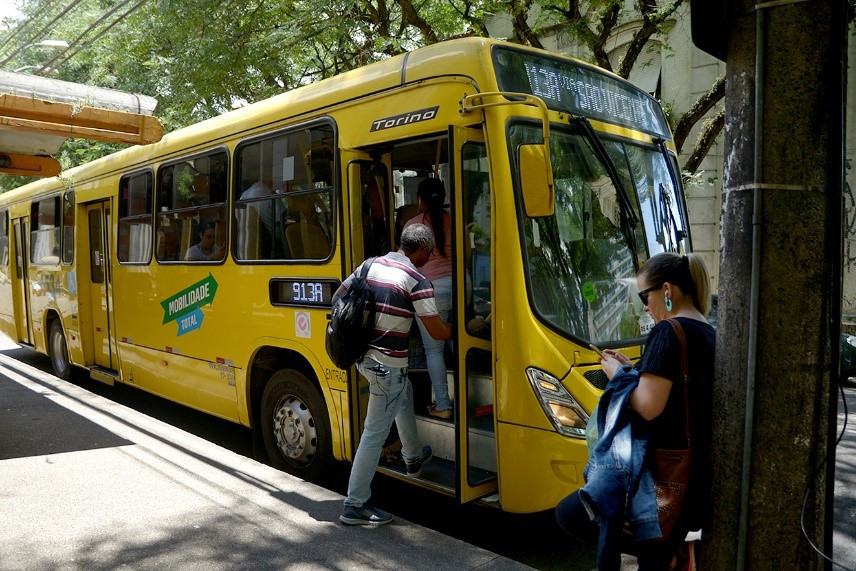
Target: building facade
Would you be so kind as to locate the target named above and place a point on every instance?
(677, 73)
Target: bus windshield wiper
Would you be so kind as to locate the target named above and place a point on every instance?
(600, 151)
(629, 220)
(661, 145)
(667, 217)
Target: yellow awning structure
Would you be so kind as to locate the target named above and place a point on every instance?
(38, 114)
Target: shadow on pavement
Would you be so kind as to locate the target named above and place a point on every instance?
(33, 425)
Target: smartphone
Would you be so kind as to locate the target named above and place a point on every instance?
(597, 350)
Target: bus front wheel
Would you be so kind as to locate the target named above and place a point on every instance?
(295, 426)
(59, 351)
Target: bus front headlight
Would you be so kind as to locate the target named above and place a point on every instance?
(566, 415)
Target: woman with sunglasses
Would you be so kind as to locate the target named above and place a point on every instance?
(670, 286)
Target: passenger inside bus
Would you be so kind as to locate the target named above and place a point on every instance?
(431, 196)
(402, 169)
(206, 248)
(255, 220)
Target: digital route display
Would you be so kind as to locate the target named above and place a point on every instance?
(302, 292)
(565, 86)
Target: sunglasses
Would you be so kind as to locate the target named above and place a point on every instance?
(643, 295)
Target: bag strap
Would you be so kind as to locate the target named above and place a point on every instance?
(364, 273)
(685, 372)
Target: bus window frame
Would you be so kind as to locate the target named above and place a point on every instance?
(5, 236)
(34, 226)
(68, 199)
(335, 190)
(119, 219)
(157, 211)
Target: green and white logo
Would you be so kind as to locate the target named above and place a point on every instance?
(184, 307)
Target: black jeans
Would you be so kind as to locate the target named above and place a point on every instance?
(573, 519)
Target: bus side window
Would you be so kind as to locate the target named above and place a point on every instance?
(45, 232)
(135, 218)
(283, 196)
(192, 197)
(4, 243)
(68, 227)
(477, 246)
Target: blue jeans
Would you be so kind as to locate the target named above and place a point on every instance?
(390, 399)
(574, 520)
(434, 347)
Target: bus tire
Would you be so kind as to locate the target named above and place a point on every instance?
(295, 426)
(59, 351)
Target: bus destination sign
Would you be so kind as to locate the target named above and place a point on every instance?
(565, 86)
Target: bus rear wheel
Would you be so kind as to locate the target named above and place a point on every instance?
(295, 426)
(59, 351)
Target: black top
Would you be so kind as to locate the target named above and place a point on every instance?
(662, 357)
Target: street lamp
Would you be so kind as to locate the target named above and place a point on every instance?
(47, 70)
(54, 44)
(61, 45)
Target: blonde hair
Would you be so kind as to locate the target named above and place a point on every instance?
(687, 272)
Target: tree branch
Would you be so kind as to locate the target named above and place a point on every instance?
(604, 29)
(710, 130)
(523, 33)
(698, 110)
(412, 17)
(652, 21)
(477, 23)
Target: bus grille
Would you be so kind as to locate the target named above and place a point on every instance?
(597, 378)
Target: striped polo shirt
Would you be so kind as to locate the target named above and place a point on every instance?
(401, 291)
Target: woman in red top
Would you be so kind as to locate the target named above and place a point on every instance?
(431, 194)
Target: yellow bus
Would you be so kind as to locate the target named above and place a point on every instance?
(200, 268)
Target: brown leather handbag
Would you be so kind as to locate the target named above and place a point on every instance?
(671, 469)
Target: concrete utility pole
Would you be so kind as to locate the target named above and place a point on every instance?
(780, 298)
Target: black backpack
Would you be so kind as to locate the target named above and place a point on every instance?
(352, 321)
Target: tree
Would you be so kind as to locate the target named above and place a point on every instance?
(593, 23)
(201, 58)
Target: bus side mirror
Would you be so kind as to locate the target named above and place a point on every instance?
(536, 180)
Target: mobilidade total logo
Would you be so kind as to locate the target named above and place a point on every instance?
(404, 119)
(184, 307)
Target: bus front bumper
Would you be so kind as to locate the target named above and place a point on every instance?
(538, 468)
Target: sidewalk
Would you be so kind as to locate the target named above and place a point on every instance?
(86, 483)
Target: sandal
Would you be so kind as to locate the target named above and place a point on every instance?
(444, 414)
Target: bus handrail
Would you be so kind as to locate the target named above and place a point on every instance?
(513, 98)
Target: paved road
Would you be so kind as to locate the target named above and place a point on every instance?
(844, 515)
(533, 539)
(87, 483)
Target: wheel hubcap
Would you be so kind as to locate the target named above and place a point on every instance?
(294, 429)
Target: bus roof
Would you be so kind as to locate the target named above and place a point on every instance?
(465, 57)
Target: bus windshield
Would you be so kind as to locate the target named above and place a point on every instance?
(581, 262)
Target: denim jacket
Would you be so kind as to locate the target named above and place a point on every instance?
(619, 486)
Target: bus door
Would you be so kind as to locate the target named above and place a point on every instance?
(367, 233)
(475, 426)
(369, 209)
(98, 284)
(20, 287)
